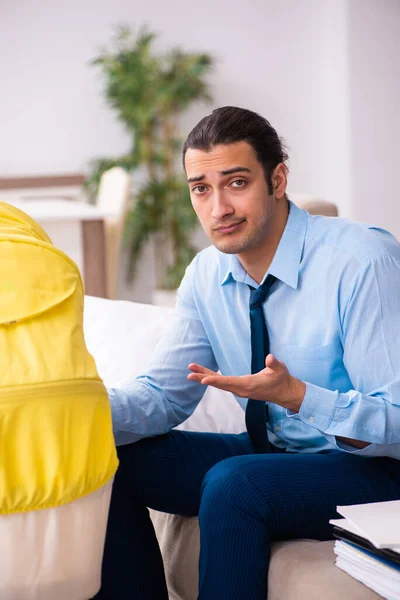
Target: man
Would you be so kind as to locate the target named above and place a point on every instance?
(317, 301)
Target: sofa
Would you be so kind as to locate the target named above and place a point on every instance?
(122, 336)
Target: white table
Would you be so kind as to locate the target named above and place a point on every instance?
(77, 229)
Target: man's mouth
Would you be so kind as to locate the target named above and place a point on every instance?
(229, 227)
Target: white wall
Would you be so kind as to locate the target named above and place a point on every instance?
(299, 63)
(52, 115)
(53, 118)
(375, 111)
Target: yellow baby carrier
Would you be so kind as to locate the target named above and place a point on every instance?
(57, 453)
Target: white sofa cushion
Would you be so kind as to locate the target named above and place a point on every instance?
(122, 336)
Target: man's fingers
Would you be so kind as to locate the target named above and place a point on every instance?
(196, 377)
(220, 381)
(240, 385)
(195, 368)
(199, 373)
(245, 386)
(214, 380)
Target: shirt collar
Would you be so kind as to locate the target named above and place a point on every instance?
(286, 262)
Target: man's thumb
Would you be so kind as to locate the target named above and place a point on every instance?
(271, 361)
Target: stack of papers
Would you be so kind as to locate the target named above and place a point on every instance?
(368, 545)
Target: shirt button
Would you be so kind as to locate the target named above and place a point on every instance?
(311, 419)
(277, 428)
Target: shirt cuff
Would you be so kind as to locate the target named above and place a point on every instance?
(317, 407)
(121, 437)
(116, 412)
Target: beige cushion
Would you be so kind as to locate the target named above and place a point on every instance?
(298, 569)
(306, 569)
(315, 206)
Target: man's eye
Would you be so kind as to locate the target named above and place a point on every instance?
(199, 189)
(238, 183)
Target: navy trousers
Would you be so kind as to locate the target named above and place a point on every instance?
(244, 502)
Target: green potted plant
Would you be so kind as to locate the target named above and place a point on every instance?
(149, 91)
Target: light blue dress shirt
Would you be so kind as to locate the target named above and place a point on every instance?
(333, 318)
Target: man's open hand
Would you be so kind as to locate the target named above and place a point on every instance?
(272, 384)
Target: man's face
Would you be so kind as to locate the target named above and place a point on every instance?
(230, 195)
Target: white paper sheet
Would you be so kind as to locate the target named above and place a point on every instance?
(345, 524)
(378, 522)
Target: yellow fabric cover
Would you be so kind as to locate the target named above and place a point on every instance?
(56, 441)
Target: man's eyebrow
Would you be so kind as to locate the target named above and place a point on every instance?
(227, 172)
(193, 179)
(235, 170)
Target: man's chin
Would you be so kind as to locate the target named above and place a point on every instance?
(230, 247)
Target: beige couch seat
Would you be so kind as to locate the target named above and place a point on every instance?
(300, 569)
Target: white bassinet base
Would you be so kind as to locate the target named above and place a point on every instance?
(54, 554)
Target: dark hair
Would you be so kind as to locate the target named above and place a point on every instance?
(230, 124)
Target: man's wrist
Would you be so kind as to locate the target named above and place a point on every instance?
(296, 396)
(351, 442)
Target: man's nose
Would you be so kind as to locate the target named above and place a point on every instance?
(221, 208)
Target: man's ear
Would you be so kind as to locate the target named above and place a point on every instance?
(279, 180)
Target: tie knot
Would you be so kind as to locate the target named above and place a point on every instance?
(259, 295)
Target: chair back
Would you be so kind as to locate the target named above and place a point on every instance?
(113, 193)
(113, 196)
(315, 205)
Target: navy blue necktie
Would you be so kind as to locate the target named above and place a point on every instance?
(256, 410)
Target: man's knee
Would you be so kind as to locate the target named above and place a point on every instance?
(226, 485)
(242, 484)
(223, 475)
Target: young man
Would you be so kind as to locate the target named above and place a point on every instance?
(310, 306)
